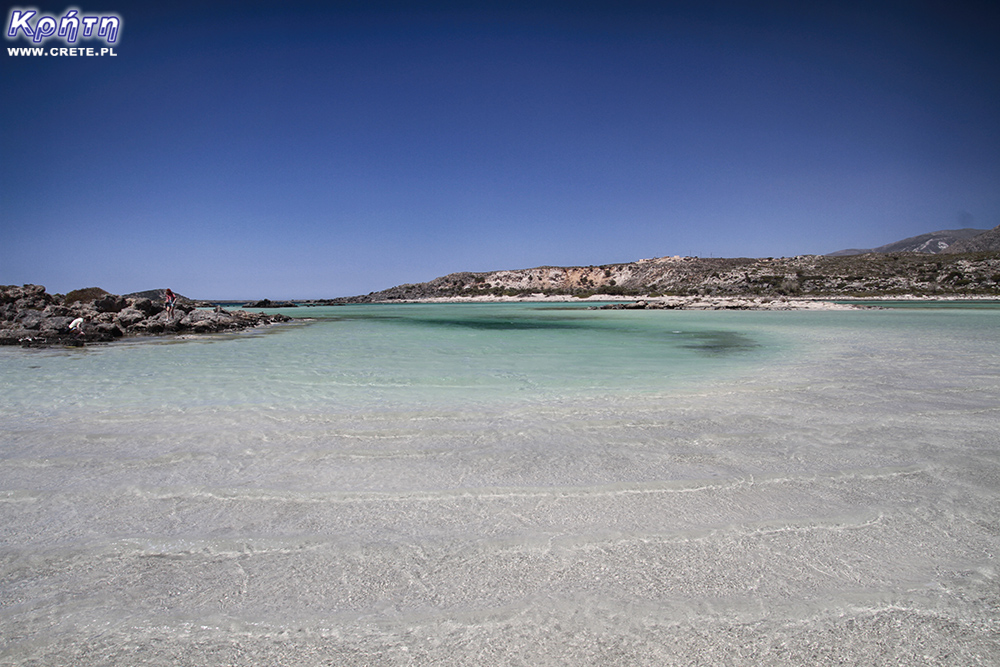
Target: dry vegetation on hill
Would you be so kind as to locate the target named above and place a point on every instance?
(806, 275)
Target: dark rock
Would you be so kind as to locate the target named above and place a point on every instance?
(14, 336)
(146, 306)
(56, 324)
(129, 317)
(25, 297)
(267, 303)
(29, 318)
(108, 329)
(147, 327)
(13, 293)
(111, 303)
(205, 321)
(61, 311)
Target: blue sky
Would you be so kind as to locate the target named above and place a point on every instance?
(310, 150)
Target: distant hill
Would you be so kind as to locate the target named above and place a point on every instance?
(152, 294)
(160, 295)
(985, 242)
(933, 243)
(869, 274)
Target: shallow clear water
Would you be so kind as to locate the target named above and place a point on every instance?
(509, 484)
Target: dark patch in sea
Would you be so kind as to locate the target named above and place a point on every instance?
(704, 343)
(718, 343)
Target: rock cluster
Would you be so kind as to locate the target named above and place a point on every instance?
(30, 316)
(267, 303)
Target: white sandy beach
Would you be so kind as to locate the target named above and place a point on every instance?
(669, 302)
(503, 485)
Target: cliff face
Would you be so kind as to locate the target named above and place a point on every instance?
(806, 275)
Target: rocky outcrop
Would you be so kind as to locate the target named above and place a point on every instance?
(267, 303)
(30, 316)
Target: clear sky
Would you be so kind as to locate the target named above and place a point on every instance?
(307, 150)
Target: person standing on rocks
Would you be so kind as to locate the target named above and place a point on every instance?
(171, 300)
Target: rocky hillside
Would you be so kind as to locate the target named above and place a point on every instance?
(30, 316)
(985, 242)
(807, 275)
(933, 243)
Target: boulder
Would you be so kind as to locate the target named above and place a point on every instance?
(207, 321)
(108, 330)
(129, 316)
(30, 319)
(54, 309)
(112, 303)
(147, 327)
(14, 293)
(26, 296)
(56, 324)
(146, 306)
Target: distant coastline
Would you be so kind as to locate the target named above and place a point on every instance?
(819, 277)
(614, 302)
(30, 316)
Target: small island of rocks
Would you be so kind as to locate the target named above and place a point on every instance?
(31, 317)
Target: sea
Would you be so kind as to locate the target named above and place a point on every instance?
(509, 484)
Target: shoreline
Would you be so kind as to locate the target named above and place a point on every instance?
(615, 302)
(612, 301)
(608, 302)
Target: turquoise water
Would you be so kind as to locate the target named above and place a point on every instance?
(509, 484)
(348, 358)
